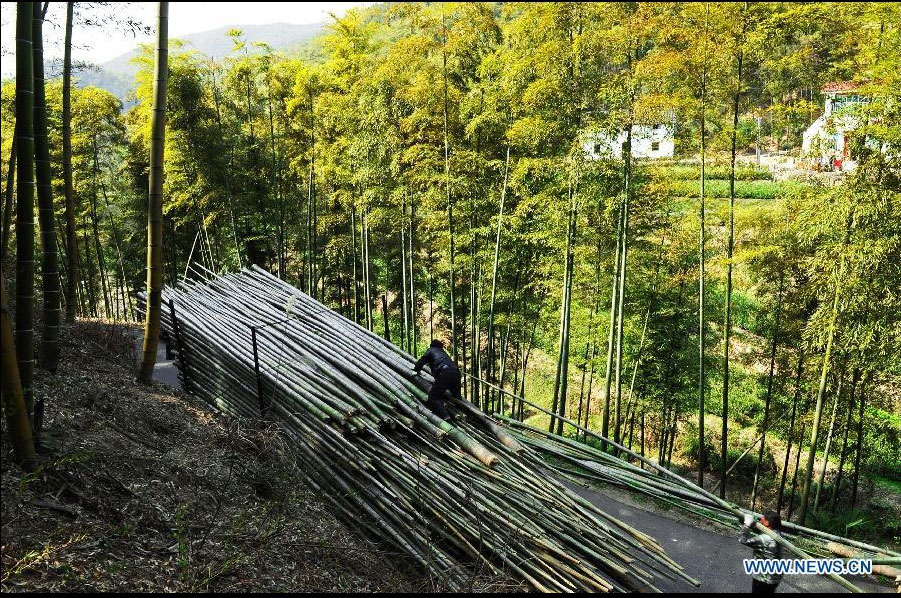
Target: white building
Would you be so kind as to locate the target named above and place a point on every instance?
(648, 141)
(827, 139)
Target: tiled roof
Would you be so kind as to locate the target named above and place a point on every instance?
(840, 86)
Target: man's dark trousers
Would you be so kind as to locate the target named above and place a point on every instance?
(447, 378)
(759, 587)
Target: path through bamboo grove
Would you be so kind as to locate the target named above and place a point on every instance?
(465, 500)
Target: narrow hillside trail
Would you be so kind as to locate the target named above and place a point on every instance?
(712, 557)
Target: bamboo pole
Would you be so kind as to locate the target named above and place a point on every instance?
(155, 204)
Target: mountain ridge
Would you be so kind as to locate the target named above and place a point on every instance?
(117, 74)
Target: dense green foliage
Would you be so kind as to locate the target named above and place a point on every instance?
(309, 168)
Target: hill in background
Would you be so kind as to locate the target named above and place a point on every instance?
(118, 75)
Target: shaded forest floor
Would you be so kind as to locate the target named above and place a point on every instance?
(144, 489)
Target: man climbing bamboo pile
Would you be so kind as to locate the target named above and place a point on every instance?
(447, 378)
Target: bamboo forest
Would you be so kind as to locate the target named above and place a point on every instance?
(468, 296)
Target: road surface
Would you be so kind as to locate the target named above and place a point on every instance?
(715, 559)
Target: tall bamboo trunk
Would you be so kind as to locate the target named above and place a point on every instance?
(504, 343)
(431, 303)
(769, 395)
(589, 344)
(128, 308)
(88, 269)
(702, 327)
(818, 413)
(413, 312)
(311, 212)
(353, 237)
(98, 246)
(280, 241)
(155, 203)
(620, 326)
(405, 334)
(561, 381)
(728, 324)
(8, 195)
(860, 414)
(367, 290)
(794, 484)
(594, 352)
(474, 299)
(528, 352)
(227, 173)
(385, 316)
(17, 425)
(841, 463)
(642, 436)
(450, 203)
(25, 187)
(672, 436)
(822, 478)
(644, 331)
(611, 332)
(791, 432)
(702, 330)
(668, 402)
(497, 248)
(72, 250)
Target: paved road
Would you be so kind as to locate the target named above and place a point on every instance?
(165, 370)
(713, 558)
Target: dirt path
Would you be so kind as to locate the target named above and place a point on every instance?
(712, 557)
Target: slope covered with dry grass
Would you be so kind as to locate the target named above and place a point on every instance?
(143, 489)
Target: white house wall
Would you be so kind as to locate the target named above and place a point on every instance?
(647, 142)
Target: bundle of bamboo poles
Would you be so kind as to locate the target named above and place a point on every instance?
(463, 499)
(581, 462)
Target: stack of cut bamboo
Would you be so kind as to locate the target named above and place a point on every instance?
(582, 462)
(463, 499)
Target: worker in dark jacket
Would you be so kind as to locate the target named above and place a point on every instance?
(446, 374)
(765, 547)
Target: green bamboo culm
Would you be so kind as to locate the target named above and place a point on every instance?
(611, 331)
(72, 259)
(155, 200)
(821, 392)
(49, 349)
(450, 202)
(8, 197)
(17, 423)
(25, 202)
(727, 326)
(702, 327)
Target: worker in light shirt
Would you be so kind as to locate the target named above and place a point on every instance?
(765, 547)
